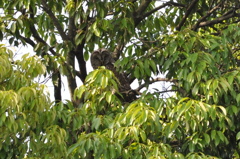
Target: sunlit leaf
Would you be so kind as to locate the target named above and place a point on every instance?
(96, 123)
(206, 138)
(238, 136)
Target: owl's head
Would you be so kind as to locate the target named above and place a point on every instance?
(101, 57)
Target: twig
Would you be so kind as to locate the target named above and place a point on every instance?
(153, 81)
(218, 20)
(160, 92)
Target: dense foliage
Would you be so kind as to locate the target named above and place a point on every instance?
(194, 44)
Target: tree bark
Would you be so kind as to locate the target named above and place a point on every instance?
(57, 88)
(71, 77)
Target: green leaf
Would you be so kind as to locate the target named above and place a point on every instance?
(86, 56)
(225, 85)
(109, 96)
(135, 133)
(96, 30)
(174, 126)
(238, 98)
(88, 144)
(234, 109)
(65, 70)
(96, 123)
(146, 68)
(221, 135)
(184, 107)
(124, 23)
(238, 136)
(153, 66)
(104, 81)
(191, 147)
(13, 28)
(123, 134)
(20, 22)
(223, 110)
(79, 37)
(213, 134)
(172, 47)
(206, 138)
(194, 57)
(215, 84)
(143, 135)
(79, 92)
(144, 116)
(155, 151)
(230, 79)
(195, 89)
(88, 36)
(126, 154)
(38, 47)
(140, 64)
(112, 151)
(53, 40)
(136, 72)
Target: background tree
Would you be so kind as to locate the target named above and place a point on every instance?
(195, 44)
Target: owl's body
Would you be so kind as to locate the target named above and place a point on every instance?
(102, 57)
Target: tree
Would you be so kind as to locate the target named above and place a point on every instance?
(195, 44)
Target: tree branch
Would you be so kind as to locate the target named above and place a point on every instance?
(137, 14)
(57, 85)
(79, 56)
(71, 27)
(27, 40)
(71, 77)
(166, 91)
(137, 19)
(54, 19)
(36, 35)
(153, 81)
(204, 17)
(160, 7)
(82, 63)
(152, 11)
(57, 88)
(218, 20)
(142, 7)
(39, 39)
(72, 85)
(188, 11)
(118, 50)
(176, 4)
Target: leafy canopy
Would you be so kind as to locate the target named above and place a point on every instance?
(194, 44)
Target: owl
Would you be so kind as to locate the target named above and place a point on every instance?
(102, 57)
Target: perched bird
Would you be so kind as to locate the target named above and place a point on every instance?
(102, 57)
